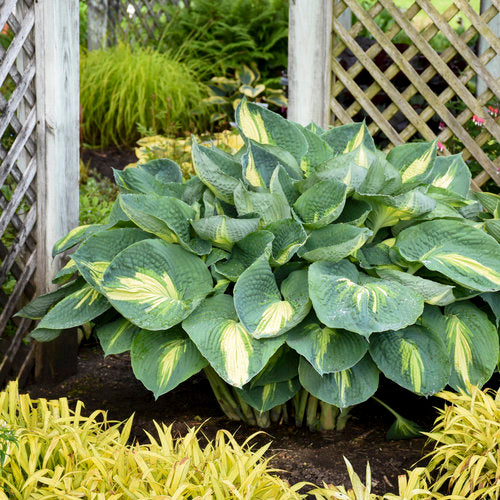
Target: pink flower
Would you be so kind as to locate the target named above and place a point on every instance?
(440, 147)
(477, 121)
(493, 111)
(442, 125)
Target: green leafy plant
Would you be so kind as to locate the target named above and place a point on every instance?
(226, 93)
(7, 439)
(122, 88)
(294, 271)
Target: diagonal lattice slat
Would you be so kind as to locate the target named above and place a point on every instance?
(363, 88)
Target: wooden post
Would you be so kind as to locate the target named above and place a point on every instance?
(494, 65)
(309, 68)
(57, 135)
(97, 27)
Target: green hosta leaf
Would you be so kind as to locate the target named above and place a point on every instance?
(378, 256)
(270, 206)
(492, 226)
(333, 243)
(117, 337)
(94, 256)
(318, 151)
(343, 168)
(345, 388)
(328, 350)
(276, 97)
(163, 169)
(381, 178)
(493, 300)
(461, 252)
(224, 231)
(283, 366)
(66, 273)
(289, 236)
(216, 255)
(345, 298)
(39, 307)
(347, 138)
(282, 183)
(233, 353)
(166, 217)
(355, 212)
(321, 204)
(432, 292)
(155, 284)
(162, 360)
(193, 191)
(75, 236)
(472, 342)
(218, 172)
(79, 307)
(491, 202)
(139, 181)
(44, 334)
(451, 173)
(265, 397)
(415, 161)
(260, 305)
(265, 127)
(413, 357)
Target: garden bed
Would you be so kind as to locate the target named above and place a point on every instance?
(109, 384)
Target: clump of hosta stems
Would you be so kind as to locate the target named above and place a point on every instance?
(293, 272)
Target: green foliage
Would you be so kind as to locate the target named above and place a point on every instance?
(226, 93)
(122, 89)
(7, 439)
(308, 259)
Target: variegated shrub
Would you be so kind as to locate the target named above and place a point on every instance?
(297, 269)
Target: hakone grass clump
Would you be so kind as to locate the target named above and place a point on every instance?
(124, 89)
(60, 453)
(292, 272)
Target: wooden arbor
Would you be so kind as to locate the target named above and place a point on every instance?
(39, 154)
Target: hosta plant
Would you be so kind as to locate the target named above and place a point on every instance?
(293, 272)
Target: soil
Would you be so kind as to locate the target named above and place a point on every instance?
(109, 384)
(105, 160)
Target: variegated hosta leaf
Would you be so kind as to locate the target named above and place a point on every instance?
(252, 92)
(94, 255)
(265, 127)
(270, 206)
(66, 273)
(321, 204)
(155, 284)
(162, 360)
(163, 169)
(220, 337)
(265, 397)
(461, 252)
(289, 236)
(433, 293)
(472, 342)
(413, 357)
(282, 183)
(263, 310)
(343, 168)
(39, 307)
(334, 242)
(345, 388)
(245, 253)
(75, 236)
(451, 173)
(283, 366)
(415, 161)
(347, 138)
(260, 161)
(355, 212)
(328, 350)
(139, 181)
(318, 151)
(345, 298)
(218, 172)
(224, 231)
(166, 217)
(492, 226)
(117, 337)
(382, 178)
(79, 307)
(491, 202)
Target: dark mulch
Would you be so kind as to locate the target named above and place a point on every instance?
(105, 160)
(109, 384)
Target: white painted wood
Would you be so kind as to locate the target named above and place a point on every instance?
(57, 111)
(97, 18)
(494, 65)
(309, 68)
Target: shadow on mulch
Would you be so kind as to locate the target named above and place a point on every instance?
(105, 160)
(109, 384)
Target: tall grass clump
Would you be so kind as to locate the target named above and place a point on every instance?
(124, 90)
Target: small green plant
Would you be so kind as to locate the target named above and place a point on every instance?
(226, 93)
(7, 440)
(123, 88)
(293, 272)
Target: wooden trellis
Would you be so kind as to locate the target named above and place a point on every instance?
(386, 104)
(38, 157)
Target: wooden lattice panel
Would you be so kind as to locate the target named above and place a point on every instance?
(403, 89)
(17, 179)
